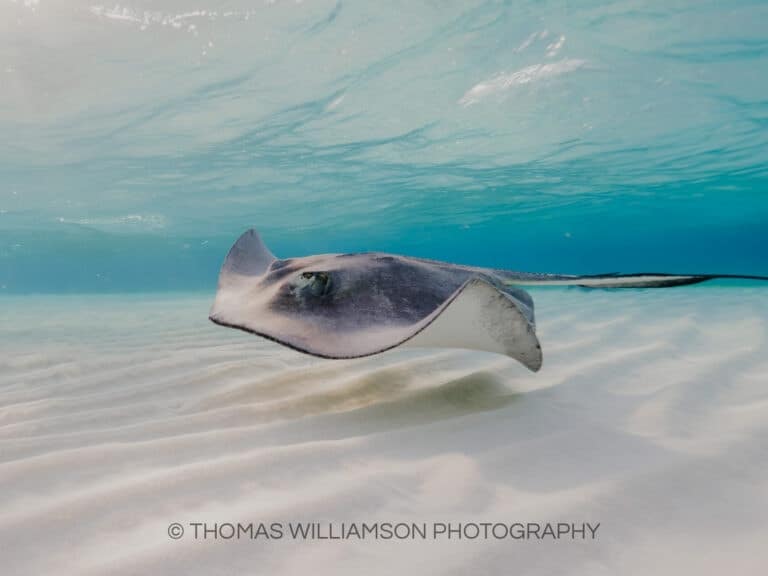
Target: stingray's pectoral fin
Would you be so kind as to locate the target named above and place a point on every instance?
(248, 257)
(481, 317)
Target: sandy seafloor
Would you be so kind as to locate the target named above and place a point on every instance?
(122, 414)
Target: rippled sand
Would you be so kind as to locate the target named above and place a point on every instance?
(122, 414)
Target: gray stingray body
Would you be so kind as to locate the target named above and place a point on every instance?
(353, 305)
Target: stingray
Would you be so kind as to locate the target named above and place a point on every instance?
(354, 305)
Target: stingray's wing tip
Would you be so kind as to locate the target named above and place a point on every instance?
(536, 359)
(512, 329)
(530, 354)
(249, 256)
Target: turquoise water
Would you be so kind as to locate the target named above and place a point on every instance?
(140, 139)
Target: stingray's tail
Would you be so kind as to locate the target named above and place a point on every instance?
(615, 280)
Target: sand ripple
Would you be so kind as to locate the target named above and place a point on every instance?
(119, 415)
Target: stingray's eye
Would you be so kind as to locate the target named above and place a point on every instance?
(317, 282)
(316, 276)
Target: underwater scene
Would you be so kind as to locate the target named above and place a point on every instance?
(592, 141)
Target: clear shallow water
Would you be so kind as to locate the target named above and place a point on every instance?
(140, 139)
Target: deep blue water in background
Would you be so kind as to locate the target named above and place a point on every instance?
(139, 140)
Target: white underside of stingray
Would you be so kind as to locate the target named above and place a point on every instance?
(353, 305)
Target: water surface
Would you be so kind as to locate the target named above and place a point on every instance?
(140, 138)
